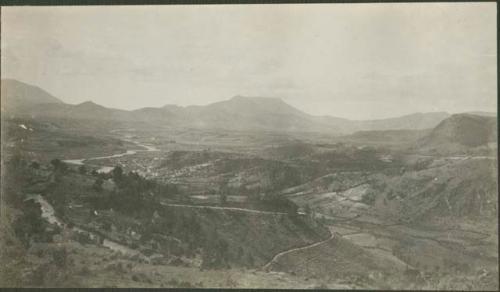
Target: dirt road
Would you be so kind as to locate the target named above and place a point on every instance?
(276, 257)
(224, 208)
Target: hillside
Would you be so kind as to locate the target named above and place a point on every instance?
(459, 134)
(456, 189)
(396, 137)
(465, 189)
(415, 121)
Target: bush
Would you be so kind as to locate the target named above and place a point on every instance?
(58, 165)
(35, 165)
(97, 186)
(30, 223)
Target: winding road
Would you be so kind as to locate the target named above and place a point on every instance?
(49, 214)
(223, 208)
(277, 256)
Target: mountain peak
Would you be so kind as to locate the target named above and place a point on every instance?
(256, 99)
(170, 106)
(89, 104)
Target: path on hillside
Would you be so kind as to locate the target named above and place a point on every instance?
(277, 256)
(223, 208)
(456, 157)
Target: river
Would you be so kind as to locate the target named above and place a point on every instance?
(49, 215)
(106, 169)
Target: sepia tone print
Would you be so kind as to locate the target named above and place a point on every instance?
(317, 146)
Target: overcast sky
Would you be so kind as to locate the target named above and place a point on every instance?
(356, 61)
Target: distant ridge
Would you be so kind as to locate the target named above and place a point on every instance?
(485, 114)
(237, 113)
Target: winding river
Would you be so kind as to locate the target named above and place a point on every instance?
(49, 215)
(106, 169)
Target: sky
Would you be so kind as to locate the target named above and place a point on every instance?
(357, 61)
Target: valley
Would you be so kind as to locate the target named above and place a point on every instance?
(137, 202)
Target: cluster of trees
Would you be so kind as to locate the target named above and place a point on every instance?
(352, 158)
(131, 192)
(59, 166)
(194, 235)
(282, 176)
(217, 253)
(29, 225)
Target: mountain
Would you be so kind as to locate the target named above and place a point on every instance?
(416, 121)
(17, 94)
(273, 114)
(83, 111)
(255, 113)
(480, 113)
(459, 133)
(237, 113)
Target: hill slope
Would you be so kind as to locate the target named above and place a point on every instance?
(16, 94)
(460, 133)
(416, 121)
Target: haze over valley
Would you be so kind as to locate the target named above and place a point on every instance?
(211, 147)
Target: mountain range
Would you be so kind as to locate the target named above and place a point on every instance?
(237, 113)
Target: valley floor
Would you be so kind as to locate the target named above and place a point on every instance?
(335, 217)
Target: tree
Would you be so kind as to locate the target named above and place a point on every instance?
(223, 198)
(117, 173)
(224, 190)
(35, 165)
(55, 163)
(97, 186)
(58, 165)
(307, 209)
(30, 223)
